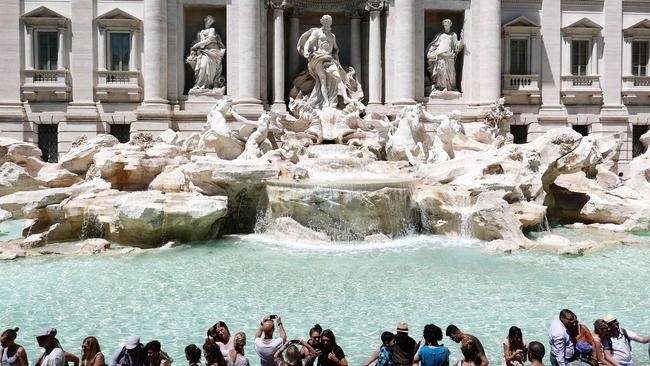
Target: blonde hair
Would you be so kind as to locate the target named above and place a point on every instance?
(293, 356)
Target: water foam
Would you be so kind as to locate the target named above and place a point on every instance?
(405, 243)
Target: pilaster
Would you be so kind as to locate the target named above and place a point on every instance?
(611, 75)
(490, 49)
(354, 14)
(552, 110)
(12, 113)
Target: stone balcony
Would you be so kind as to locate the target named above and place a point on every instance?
(522, 89)
(46, 85)
(581, 89)
(636, 89)
(118, 86)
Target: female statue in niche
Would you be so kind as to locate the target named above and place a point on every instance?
(441, 57)
(205, 58)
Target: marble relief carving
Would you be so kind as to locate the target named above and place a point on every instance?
(206, 58)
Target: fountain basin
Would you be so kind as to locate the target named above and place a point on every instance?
(344, 210)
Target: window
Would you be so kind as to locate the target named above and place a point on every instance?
(579, 57)
(519, 133)
(640, 58)
(120, 51)
(48, 48)
(581, 129)
(121, 132)
(48, 142)
(519, 57)
(637, 146)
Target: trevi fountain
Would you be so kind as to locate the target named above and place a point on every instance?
(328, 213)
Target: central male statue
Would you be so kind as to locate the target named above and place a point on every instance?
(318, 46)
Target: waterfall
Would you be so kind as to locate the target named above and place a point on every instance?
(462, 203)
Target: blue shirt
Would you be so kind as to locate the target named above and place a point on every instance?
(385, 357)
(436, 356)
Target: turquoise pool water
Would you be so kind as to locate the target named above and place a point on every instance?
(358, 290)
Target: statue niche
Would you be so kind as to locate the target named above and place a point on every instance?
(325, 83)
(441, 59)
(205, 58)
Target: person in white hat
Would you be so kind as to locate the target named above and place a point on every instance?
(131, 354)
(53, 355)
(618, 343)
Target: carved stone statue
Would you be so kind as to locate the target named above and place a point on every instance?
(333, 84)
(441, 57)
(206, 59)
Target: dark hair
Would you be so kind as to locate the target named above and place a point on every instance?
(212, 331)
(432, 333)
(193, 353)
(316, 328)
(565, 313)
(512, 333)
(451, 329)
(213, 354)
(153, 345)
(537, 350)
(469, 349)
(387, 337)
(620, 174)
(329, 334)
(11, 333)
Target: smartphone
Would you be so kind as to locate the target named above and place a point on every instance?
(294, 341)
(272, 316)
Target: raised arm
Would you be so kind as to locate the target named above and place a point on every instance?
(69, 357)
(278, 354)
(637, 338)
(99, 360)
(283, 334)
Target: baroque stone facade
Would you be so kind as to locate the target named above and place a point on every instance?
(81, 67)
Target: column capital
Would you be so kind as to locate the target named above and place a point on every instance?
(375, 5)
(353, 11)
(278, 4)
(296, 12)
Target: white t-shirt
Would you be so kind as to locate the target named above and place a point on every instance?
(266, 350)
(621, 349)
(55, 358)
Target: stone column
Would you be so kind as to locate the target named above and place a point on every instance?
(29, 49)
(403, 67)
(490, 49)
(278, 7)
(133, 56)
(155, 52)
(294, 35)
(101, 50)
(551, 68)
(60, 57)
(12, 113)
(248, 28)
(374, 8)
(355, 40)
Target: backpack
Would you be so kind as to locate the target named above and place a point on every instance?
(627, 338)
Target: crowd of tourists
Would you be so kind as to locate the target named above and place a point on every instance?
(570, 344)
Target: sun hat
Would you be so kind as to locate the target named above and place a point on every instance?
(609, 318)
(402, 327)
(132, 342)
(45, 332)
